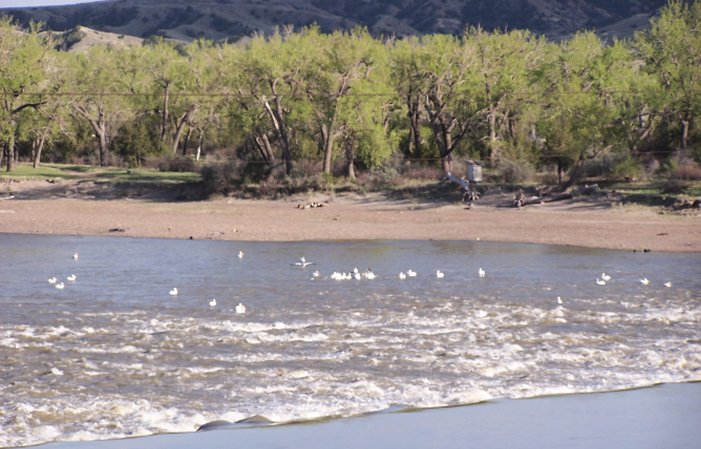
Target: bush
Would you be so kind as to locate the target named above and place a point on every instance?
(688, 170)
(674, 187)
(514, 172)
(617, 165)
(177, 164)
(219, 178)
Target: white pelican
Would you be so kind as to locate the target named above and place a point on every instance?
(668, 284)
(645, 281)
(75, 256)
(212, 302)
(173, 292)
(71, 278)
(241, 254)
(559, 300)
(411, 273)
(302, 262)
(439, 274)
(605, 277)
(240, 309)
(59, 286)
(315, 274)
(369, 274)
(402, 276)
(481, 272)
(52, 280)
(600, 281)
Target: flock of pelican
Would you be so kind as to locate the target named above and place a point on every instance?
(604, 278)
(339, 276)
(71, 278)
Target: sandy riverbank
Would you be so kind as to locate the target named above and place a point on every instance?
(580, 223)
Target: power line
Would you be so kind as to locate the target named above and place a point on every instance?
(231, 94)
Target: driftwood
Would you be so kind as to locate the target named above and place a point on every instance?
(687, 204)
(459, 181)
(560, 197)
(520, 199)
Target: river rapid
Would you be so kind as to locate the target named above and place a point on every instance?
(113, 354)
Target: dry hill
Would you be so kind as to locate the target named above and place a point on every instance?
(233, 19)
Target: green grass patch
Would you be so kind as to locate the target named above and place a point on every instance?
(26, 171)
(99, 174)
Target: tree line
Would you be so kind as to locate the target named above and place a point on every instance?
(349, 101)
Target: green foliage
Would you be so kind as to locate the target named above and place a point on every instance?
(293, 104)
(671, 51)
(135, 142)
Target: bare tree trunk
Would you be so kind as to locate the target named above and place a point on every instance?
(350, 156)
(684, 138)
(493, 148)
(414, 144)
(277, 116)
(179, 127)
(200, 140)
(38, 147)
(99, 127)
(186, 140)
(10, 147)
(265, 149)
(446, 157)
(327, 132)
(165, 113)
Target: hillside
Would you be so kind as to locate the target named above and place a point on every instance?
(233, 19)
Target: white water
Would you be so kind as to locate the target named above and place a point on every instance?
(115, 356)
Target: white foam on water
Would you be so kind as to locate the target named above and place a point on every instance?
(159, 370)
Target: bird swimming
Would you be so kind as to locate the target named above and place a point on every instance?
(75, 256)
(600, 281)
(439, 274)
(481, 272)
(402, 276)
(173, 292)
(212, 302)
(52, 280)
(668, 284)
(240, 309)
(411, 273)
(71, 278)
(605, 277)
(59, 286)
(241, 254)
(645, 281)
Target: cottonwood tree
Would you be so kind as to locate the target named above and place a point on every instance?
(268, 92)
(205, 58)
(411, 87)
(25, 55)
(97, 92)
(582, 86)
(174, 88)
(454, 86)
(505, 62)
(364, 116)
(341, 60)
(671, 50)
